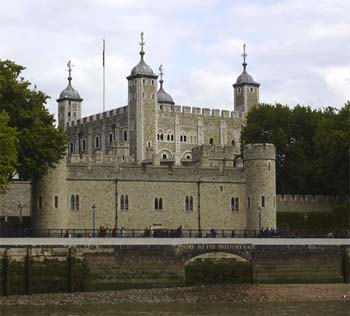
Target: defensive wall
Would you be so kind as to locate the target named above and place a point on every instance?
(60, 265)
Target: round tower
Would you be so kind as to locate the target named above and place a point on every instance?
(260, 169)
(50, 200)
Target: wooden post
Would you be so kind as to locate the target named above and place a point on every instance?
(28, 270)
(7, 272)
(70, 270)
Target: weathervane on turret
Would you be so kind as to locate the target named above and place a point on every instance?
(69, 65)
(161, 73)
(142, 43)
(244, 55)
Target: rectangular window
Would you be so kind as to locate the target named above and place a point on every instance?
(39, 202)
(263, 201)
(56, 201)
(248, 201)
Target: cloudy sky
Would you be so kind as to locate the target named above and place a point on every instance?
(299, 50)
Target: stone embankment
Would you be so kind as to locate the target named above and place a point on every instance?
(198, 294)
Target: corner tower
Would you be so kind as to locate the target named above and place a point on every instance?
(69, 102)
(142, 108)
(245, 90)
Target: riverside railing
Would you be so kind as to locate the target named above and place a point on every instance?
(150, 232)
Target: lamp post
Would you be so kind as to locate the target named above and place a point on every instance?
(20, 208)
(259, 211)
(93, 219)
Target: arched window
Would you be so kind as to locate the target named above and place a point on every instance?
(191, 203)
(84, 144)
(160, 203)
(172, 137)
(188, 157)
(158, 136)
(211, 141)
(125, 134)
(156, 204)
(97, 142)
(72, 202)
(164, 156)
(187, 203)
(237, 204)
(168, 137)
(110, 140)
(233, 204)
(71, 147)
(77, 206)
(185, 138)
(122, 202)
(126, 202)
(180, 138)
(161, 137)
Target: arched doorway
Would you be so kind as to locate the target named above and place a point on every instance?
(218, 267)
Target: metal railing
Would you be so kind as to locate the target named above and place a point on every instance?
(177, 233)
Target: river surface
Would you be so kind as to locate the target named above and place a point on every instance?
(171, 309)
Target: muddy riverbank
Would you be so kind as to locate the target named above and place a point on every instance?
(197, 294)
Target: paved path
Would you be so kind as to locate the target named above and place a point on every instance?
(168, 241)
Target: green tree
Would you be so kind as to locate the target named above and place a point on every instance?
(312, 146)
(8, 151)
(41, 145)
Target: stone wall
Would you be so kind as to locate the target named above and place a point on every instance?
(61, 269)
(20, 192)
(305, 203)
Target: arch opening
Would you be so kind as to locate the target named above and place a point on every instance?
(218, 267)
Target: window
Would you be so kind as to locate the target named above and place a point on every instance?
(239, 90)
(126, 202)
(125, 136)
(110, 140)
(232, 204)
(71, 147)
(56, 201)
(185, 139)
(164, 156)
(237, 204)
(84, 144)
(40, 202)
(156, 204)
(188, 157)
(97, 142)
(263, 201)
(77, 206)
(160, 203)
(248, 201)
(191, 203)
(72, 202)
(161, 136)
(122, 202)
(233, 142)
(180, 138)
(168, 137)
(251, 89)
(211, 141)
(152, 82)
(172, 137)
(144, 81)
(148, 144)
(269, 165)
(187, 204)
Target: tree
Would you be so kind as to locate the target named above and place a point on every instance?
(8, 156)
(41, 145)
(312, 146)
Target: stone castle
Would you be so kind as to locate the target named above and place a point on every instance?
(156, 163)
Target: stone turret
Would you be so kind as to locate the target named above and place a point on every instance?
(143, 107)
(260, 167)
(245, 90)
(69, 103)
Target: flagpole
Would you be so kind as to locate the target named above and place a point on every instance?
(104, 77)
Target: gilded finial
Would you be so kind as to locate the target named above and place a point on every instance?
(244, 55)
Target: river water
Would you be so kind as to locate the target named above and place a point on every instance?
(171, 309)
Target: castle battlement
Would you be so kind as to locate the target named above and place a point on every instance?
(259, 151)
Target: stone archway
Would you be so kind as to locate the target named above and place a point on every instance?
(218, 267)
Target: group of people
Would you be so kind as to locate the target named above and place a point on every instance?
(161, 232)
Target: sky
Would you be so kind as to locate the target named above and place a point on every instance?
(299, 50)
